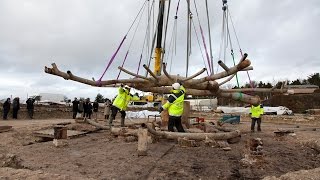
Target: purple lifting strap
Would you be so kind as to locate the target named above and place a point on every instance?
(111, 60)
(205, 47)
(124, 60)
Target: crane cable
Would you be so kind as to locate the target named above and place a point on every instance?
(231, 48)
(120, 45)
(235, 33)
(203, 39)
(173, 40)
(134, 34)
(204, 62)
(209, 33)
(146, 38)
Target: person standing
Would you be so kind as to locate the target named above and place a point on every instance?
(95, 108)
(256, 114)
(174, 105)
(80, 108)
(15, 107)
(120, 104)
(30, 107)
(87, 106)
(107, 108)
(75, 104)
(6, 108)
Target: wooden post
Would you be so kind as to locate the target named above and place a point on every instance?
(60, 135)
(164, 118)
(186, 113)
(142, 142)
(60, 132)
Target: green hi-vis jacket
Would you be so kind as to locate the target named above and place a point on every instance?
(256, 111)
(122, 99)
(174, 104)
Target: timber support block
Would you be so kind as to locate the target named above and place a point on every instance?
(142, 142)
(60, 136)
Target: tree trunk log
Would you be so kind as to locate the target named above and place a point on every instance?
(97, 125)
(195, 136)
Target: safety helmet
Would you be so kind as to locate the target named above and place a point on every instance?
(176, 86)
(127, 87)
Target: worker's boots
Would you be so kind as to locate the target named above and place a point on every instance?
(122, 122)
(110, 121)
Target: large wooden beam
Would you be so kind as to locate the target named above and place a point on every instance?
(194, 136)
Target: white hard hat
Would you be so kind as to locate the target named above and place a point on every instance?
(176, 86)
(127, 87)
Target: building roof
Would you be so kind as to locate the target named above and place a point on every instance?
(303, 86)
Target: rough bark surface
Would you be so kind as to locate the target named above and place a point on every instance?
(206, 86)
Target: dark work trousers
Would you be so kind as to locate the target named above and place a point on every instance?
(15, 113)
(74, 115)
(88, 114)
(253, 123)
(30, 112)
(5, 114)
(175, 121)
(114, 111)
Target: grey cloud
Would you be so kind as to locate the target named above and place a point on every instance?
(281, 38)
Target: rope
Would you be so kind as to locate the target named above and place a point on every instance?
(188, 37)
(139, 64)
(204, 62)
(165, 32)
(153, 43)
(235, 33)
(137, 15)
(209, 31)
(203, 39)
(173, 40)
(121, 43)
(222, 38)
(111, 60)
(134, 35)
(124, 60)
(146, 38)
(231, 47)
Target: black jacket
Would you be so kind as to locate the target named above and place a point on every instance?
(16, 104)
(6, 106)
(75, 104)
(30, 103)
(95, 106)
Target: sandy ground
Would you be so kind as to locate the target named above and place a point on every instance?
(100, 155)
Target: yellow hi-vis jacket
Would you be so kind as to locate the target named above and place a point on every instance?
(123, 98)
(174, 104)
(256, 111)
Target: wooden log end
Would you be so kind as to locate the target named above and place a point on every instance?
(142, 153)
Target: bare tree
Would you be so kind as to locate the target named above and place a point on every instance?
(206, 86)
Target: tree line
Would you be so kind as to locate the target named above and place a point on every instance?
(313, 79)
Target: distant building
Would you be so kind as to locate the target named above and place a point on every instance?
(203, 104)
(302, 89)
(51, 98)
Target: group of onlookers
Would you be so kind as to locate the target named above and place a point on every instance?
(16, 107)
(85, 108)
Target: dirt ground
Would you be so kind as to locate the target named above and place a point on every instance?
(101, 155)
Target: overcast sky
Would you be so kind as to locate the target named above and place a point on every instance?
(281, 38)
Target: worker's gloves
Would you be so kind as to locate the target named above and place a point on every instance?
(160, 109)
(121, 85)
